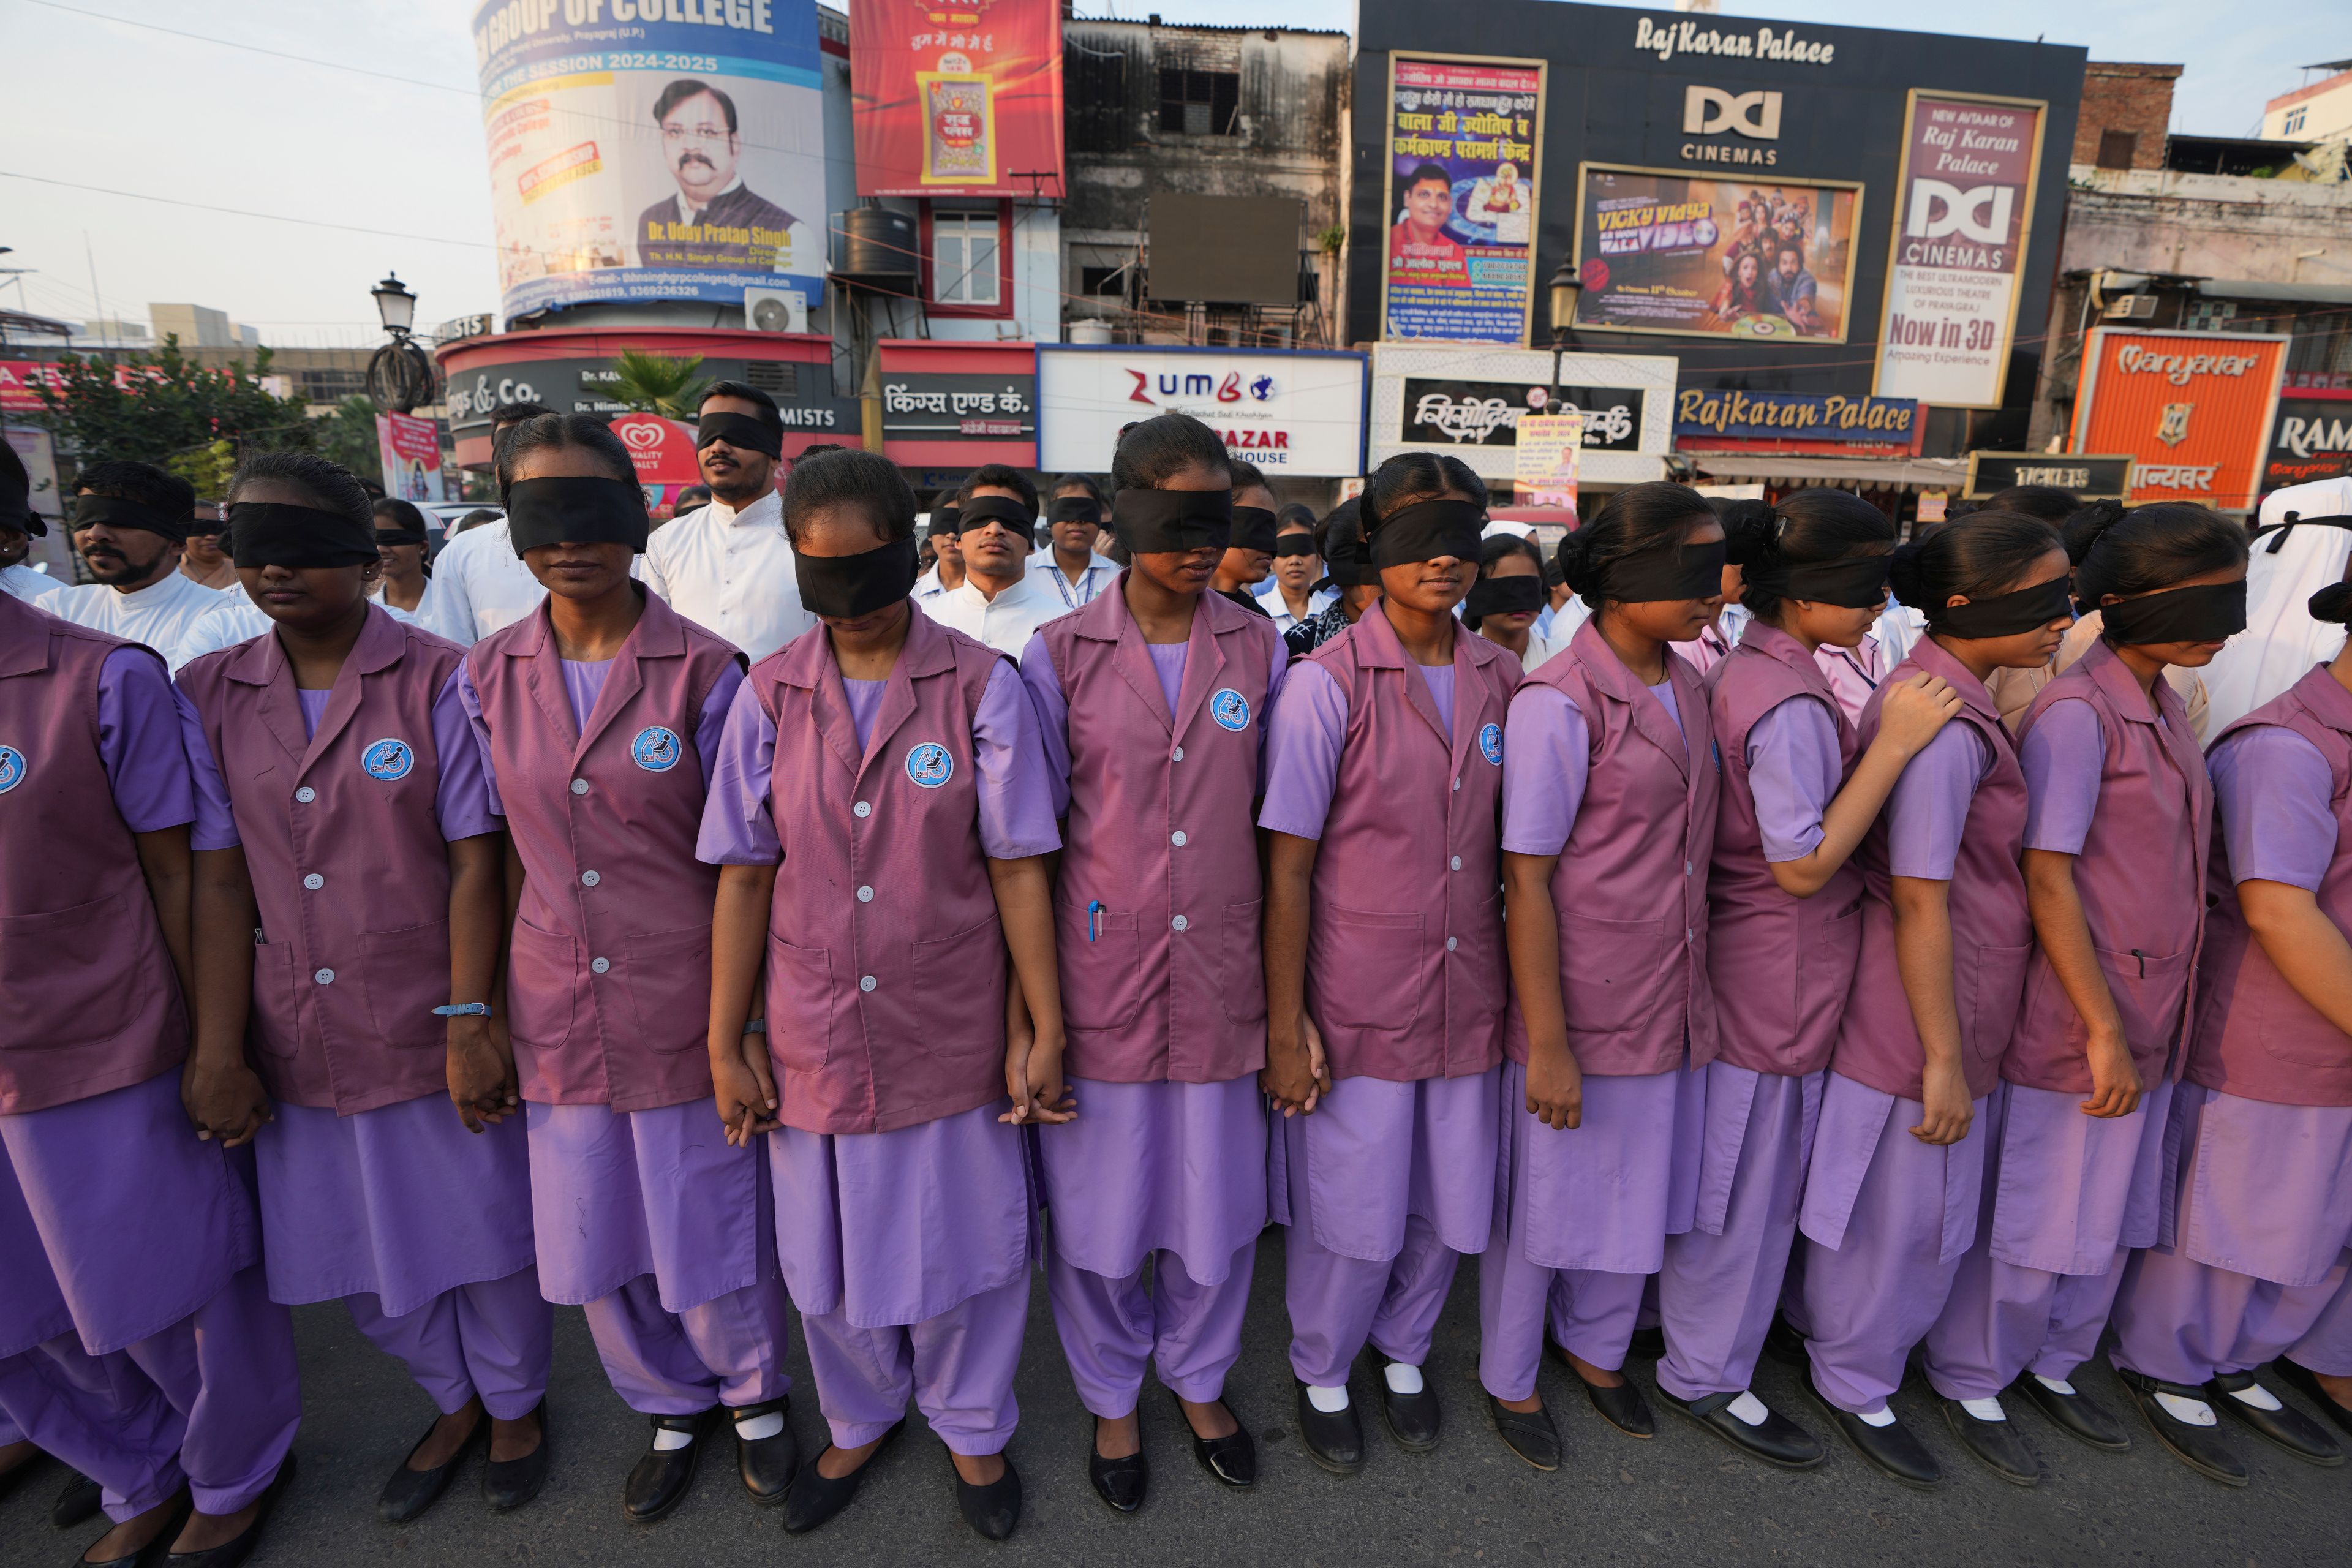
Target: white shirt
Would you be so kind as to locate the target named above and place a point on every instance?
(160, 615)
(479, 584)
(238, 619)
(1270, 599)
(731, 573)
(1004, 623)
(1100, 572)
(27, 584)
(929, 586)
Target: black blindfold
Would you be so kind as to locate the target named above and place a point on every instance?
(2006, 614)
(1684, 572)
(267, 533)
(121, 512)
(740, 430)
(1075, 509)
(1855, 583)
(2212, 613)
(1294, 544)
(980, 510)
(586, 511)
(1254, 529)
(1348, 565)
(845, 587)
(946, 520)
(1520, 595)
(1169, 522)
(389, 537)
(1426, 531)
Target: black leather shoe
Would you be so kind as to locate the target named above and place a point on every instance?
(1779, 1441)
(658, 1482)
(1784, 1344)
(1648, 1343)
(157, 1545)
(1622, 1407)
(816, 1497)
(229, 1554)
(766, 1464)
(1995, 1445)
(2201, 1448)
(2078, 1414)
(507, 1484)
(1892, 1447)
(1336, 1440)
(410, 1493)
(1529, 1433)
(1120, 1482)
(993, 1511)
(2286, 1426)
(1230, 1460)
(1411, 1418)
(2305, 1382)
(77, 1502)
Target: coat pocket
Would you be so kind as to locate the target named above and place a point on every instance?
(1613, 978)
(1997, 989)
(57, 970)
(543, 978)
(407, 976)
(800, 1005)
(274, 1024)
(1368, 967)
(1241, 963)
(1101, 957)
(668, 981)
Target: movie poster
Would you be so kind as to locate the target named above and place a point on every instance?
(1763, 257)
(1958, 251)
(957, 98)
(1462, 188)
(634, 157)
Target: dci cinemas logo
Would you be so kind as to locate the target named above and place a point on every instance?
(1979, 212)
(1711, 111)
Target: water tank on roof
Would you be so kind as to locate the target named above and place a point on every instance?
(877, 246)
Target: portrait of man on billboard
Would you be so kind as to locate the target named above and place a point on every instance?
(1419, 250)
(700, 147)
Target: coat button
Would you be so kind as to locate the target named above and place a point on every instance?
(1177, 755)
(324, 977)
(865, 895)
(589, 878)
(1179, 923)
(578, 786)
(600, 965)
(1687, 867)
(1456, 863)
(861, 809)
(1450, 944)
(1177, 838)
(865, 983)
(314, 881)
(306, 795)
(1457, 784)
(1689, 934)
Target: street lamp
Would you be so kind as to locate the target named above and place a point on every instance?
(395, 305)
(1565, 285)
(399, 377)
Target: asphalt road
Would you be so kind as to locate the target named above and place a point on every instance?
(1680, 1497)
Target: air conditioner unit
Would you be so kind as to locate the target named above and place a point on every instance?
(2130, 308)
(776, 310)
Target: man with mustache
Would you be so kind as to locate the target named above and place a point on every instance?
(726, 566)
(714, 220)
(131, 521)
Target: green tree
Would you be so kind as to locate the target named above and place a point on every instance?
(657, 384)
(206, 468)
(347, 434)
(160, 408)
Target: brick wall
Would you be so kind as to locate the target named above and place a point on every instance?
(2133, 100)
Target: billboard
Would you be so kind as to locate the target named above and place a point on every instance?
(1760, 257)
(634, 157)
(410, 450)
(2312, 439)
(2193, 410)
(1703, 415)
(1964, 208)
(1298, 414)
(1460, 198)
(957, 98)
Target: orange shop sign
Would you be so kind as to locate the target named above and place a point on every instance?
(2193, 409)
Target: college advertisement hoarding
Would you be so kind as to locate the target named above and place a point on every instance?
(2193, 410)
(1294, 414)
(1462, 184)
(635, 156)
(1658, 251)
(957, 98)
(1966, 204)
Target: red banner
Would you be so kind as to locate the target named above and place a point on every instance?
(662, 449)
(957, 98)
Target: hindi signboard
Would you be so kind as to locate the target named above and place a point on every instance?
(2193, 409)
(957, 98)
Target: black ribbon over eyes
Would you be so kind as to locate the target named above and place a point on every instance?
(947, 518)
(2214, 612)
(1426, 531)
(1855, 583)
(740, 430)
(1254, 529)
(845, 587)
(121, 512)
(268, 534)
(980, 510)
(1075, 509)
(396, 536)
(1683, 572)
(1169, 522)
(1522, 593)
(1346, 563)
(1294, 544)
(585, 511)
(2006, 614)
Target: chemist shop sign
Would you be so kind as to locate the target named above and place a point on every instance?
(2193, 409)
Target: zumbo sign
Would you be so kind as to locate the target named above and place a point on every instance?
(1298, 414)
(1766, 415)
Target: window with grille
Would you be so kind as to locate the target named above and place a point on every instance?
(1095, 115)
(2117, 147)
(1200, 103)
(2293, 124)
(963, 258)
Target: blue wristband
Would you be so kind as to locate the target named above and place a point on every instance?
(463, 1010)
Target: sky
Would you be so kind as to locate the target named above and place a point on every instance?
(143, 113)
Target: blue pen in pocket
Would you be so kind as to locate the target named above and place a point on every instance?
(1093, 919)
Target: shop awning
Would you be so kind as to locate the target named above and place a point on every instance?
(1801, 468)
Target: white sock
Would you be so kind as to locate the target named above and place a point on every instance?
(1881, 1416)
(1984, 1409)
(2057, 1386)
(1329, 1401)
(2189, 1412)
(665, 1439)
(1403, 1377)
(2255, 1394)
(760, 1426)
(1748, 1408)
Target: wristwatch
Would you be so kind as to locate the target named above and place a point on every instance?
(755, 1025)
(463, 1010)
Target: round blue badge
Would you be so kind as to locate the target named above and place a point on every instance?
(388, 759)
(12, 768)
(1230, 709)
(655, 750)
(929, 764)
(1490, 743)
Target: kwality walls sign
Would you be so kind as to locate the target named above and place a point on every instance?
(1299, 413)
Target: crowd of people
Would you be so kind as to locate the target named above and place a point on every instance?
(692, 924)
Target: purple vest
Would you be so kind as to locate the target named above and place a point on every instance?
(1992, 931)
(608, 979)
(350, 874)
(92, 1003)
(2256, 1037)
(1630, 889)
(1406, 968)
(1786, 963)
(2141, 877)
(1161, 825)
(887, 964)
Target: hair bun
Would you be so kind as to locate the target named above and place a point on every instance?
(1575, 559)
(1903, 576)
(2332, 603)
(1750, 529)
(2082, 528)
